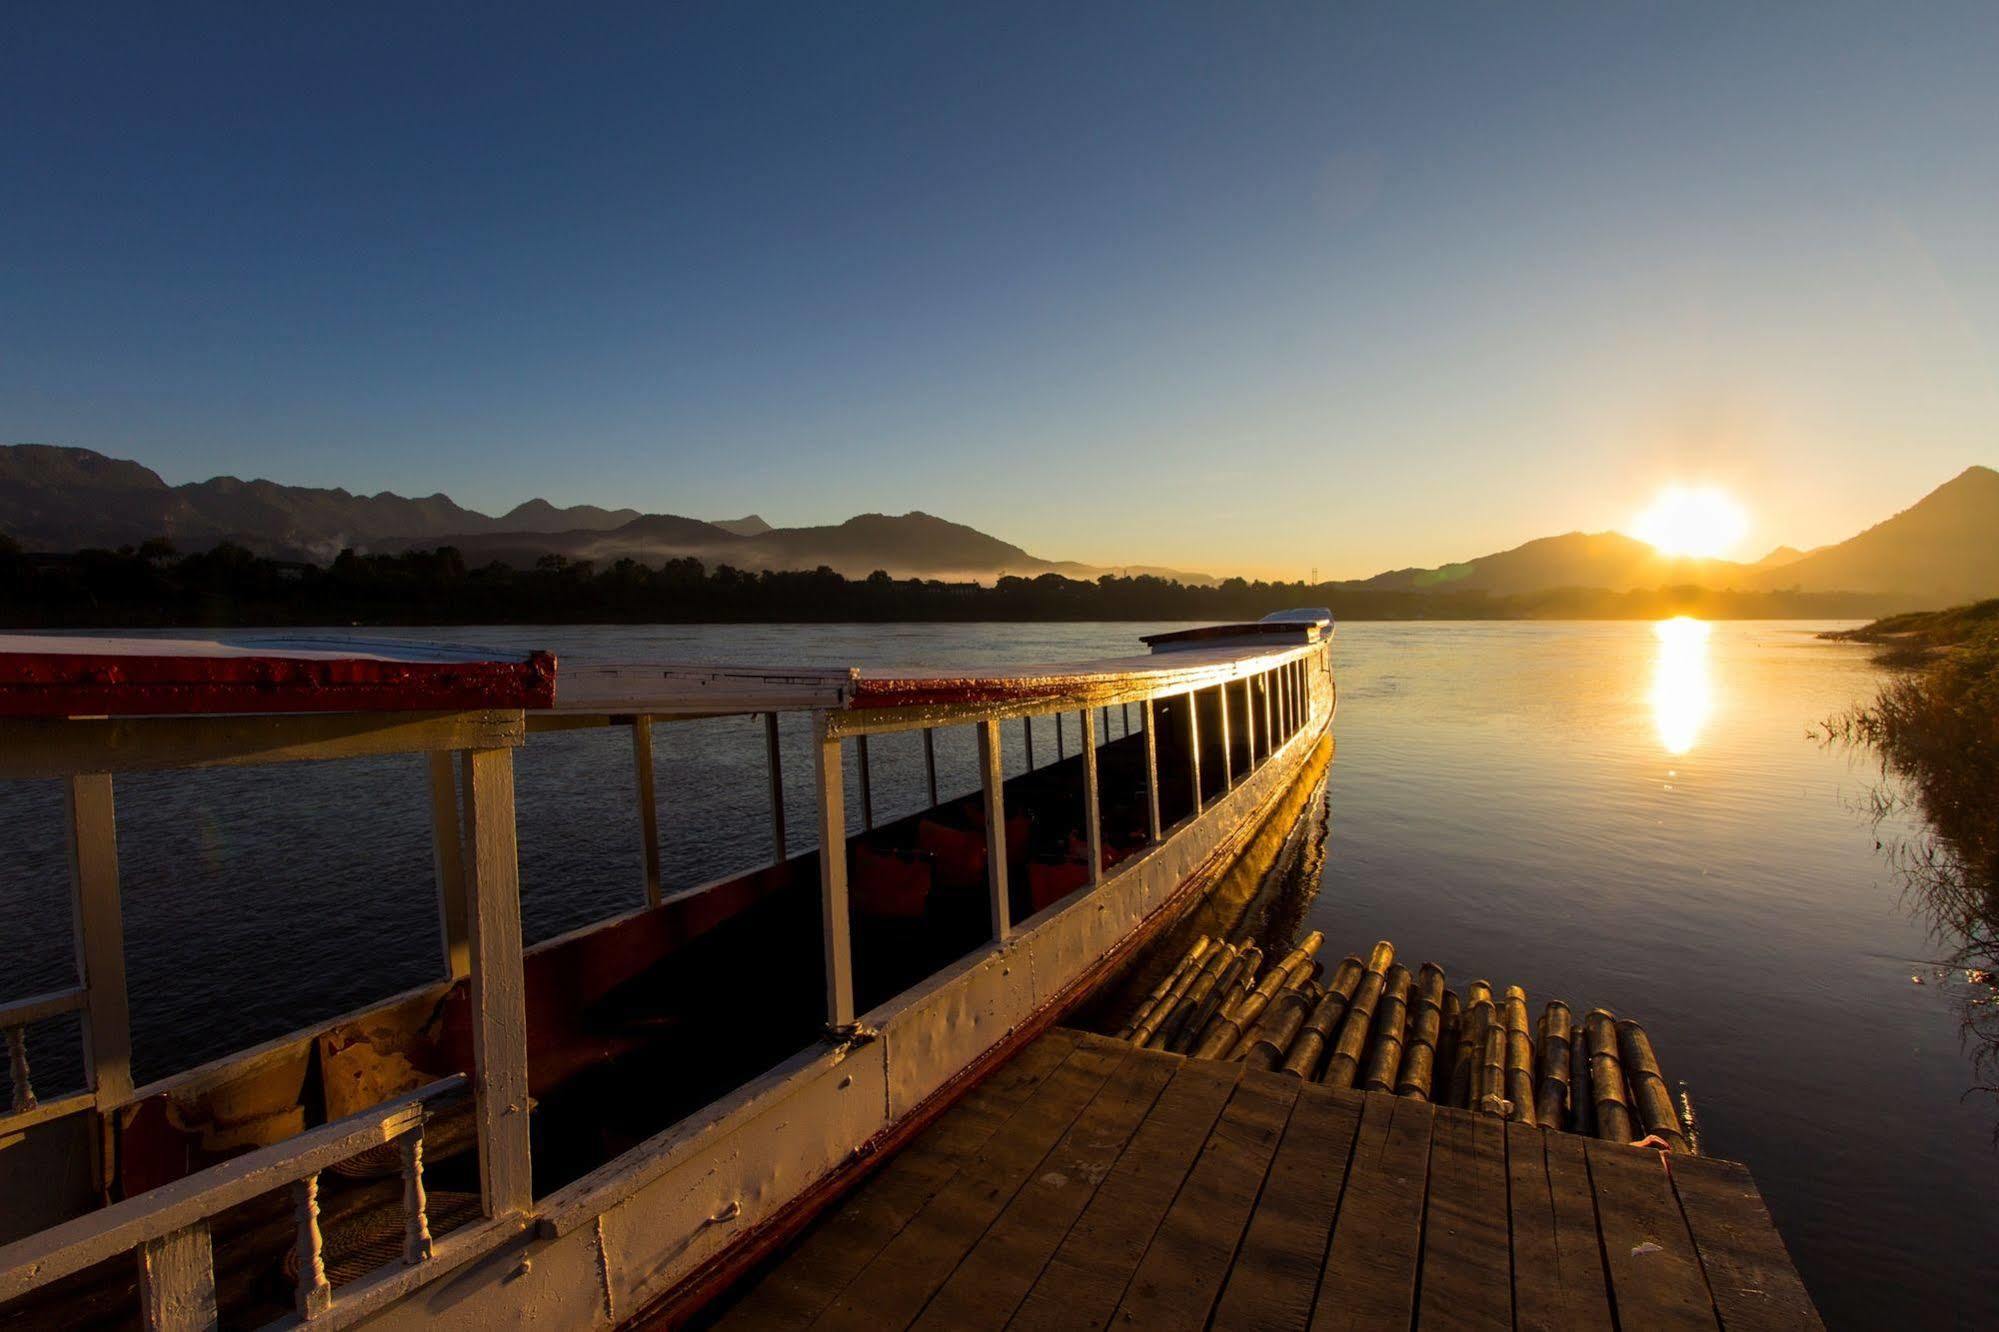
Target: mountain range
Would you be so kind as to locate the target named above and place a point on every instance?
(1940, 551)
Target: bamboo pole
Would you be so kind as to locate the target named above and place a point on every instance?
(1606, 1078)
(1219, 1033)
(1233, 984)
(1142, 1032)
(1310, 1046)
(1551, 1106)
(1195, 951)
(1273, 1035)
(1344, 1065)
(1582, 1106)
(1426, 1029)
(1191, 998)
(1519, 1058)
(1648, 1086)
(1241, 1027)
(1489, 1078)
(1471, 1044)
(1391, 1016)
(1447, 1048)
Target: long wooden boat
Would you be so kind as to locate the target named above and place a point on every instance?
(621, 1120)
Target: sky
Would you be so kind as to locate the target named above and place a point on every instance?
(1259, 289)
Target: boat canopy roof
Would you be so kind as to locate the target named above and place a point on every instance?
(77, 676)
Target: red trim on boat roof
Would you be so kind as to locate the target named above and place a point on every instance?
(72, 677)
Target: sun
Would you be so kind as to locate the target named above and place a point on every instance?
(1698, 522)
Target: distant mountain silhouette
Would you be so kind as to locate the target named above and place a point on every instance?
(1942, 550)
(1577, 559)
(1779, 557)
(57, 499)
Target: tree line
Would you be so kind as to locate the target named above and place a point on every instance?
(156, 585)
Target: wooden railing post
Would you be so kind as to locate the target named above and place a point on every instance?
(177, 1281)
(834, 921)
(648, 806)
(1060, 752)
(867, 783)
(314, 1293)
(17, 1069)
(416, 1204)
(1228, 740)
(930, 762)
(498, 991)
(1152, 829)
(1093, 821)
(1194, 743)
(774, 761)
(992, 785)
(100, 937)
(1026, 742)
(447, 854)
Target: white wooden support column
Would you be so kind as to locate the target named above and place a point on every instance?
(774, 761)
(1194, 743)
(930, 763)
(100, 937)
(1228, 742)
(867, 783)
(1151, 771)
(1264, 683)
(834, 922)
(177, 1281)
(498, 989)
(648, 806)
(1093, 819)
(447, 855)
(1249, 724)
(314, 1293)
(991, 782)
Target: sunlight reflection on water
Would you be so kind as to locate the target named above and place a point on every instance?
(1682, 688)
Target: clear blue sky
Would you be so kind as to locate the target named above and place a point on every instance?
(1253, 288)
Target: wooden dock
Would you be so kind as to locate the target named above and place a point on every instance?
(1091, 1183)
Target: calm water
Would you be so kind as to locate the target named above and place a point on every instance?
(1604, 813)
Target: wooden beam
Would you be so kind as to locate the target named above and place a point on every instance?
(648, 798)
(498, 993)
(42, 1007)
(34, 747)
(993, 785)
(1093, 819)
(867, 784)
(1151, 771)
(930, 763)
(834, 922)
(447, 855)
(92, 825)
(177, 1281)
(774, 761)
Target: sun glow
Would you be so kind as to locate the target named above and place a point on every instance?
(1701, 522)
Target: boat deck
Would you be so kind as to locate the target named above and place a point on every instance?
(1091, 1183)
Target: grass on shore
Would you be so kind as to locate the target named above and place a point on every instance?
(1918, 637)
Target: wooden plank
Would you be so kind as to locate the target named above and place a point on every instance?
(498, 992)
(71, 1246)
(648, 801)
(992, 785)
(835, 923)
(1093, 817)
(1181, 1275)
(41, 1007)
(826, 1261)
(92, 825)
(901, 1279)
(1557, 1263)
(1748, 1270)
(1467, 1272)
(447, 856)
(1083, 1282)
(177, 1281)
(1276, 1275)
(999, 1271)
(1655, 1273)
(34, 747)
(1370, 1278)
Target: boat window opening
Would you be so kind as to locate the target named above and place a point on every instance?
(1173, 716)
(1216, 744)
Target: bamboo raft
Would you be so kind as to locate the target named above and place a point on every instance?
(1374, 1026)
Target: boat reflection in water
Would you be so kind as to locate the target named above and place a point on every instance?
(1682, 695)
